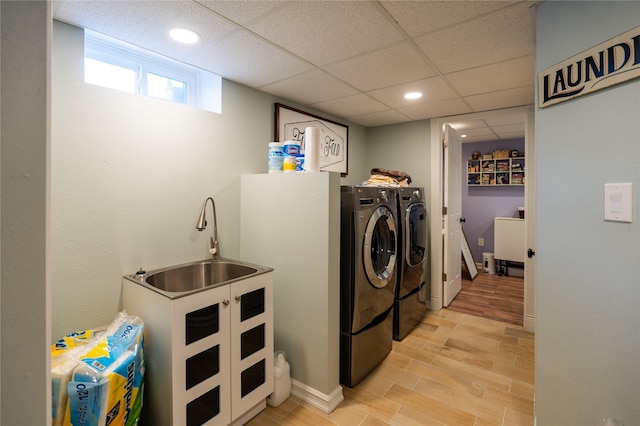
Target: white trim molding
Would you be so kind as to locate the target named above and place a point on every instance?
(436, 302)
(324, 402)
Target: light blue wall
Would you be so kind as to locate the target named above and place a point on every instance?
(402, 147)
(129, 175)
(25, 309)
(588, 270)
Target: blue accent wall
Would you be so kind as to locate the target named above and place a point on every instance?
(587, 269)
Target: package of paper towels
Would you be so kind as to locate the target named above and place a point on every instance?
(312, 143)
(98, 379)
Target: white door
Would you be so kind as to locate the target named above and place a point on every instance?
(452, 205)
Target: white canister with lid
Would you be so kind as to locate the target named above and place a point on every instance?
(276, 157)
(291, 148)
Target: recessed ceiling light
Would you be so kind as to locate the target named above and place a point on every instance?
(463, 136)
(413, 95)
(184, 35)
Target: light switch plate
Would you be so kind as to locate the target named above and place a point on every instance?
(618, 202)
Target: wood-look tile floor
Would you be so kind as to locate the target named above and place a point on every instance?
(452, 369)
(492, 296)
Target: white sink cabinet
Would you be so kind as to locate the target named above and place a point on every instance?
(209, 355)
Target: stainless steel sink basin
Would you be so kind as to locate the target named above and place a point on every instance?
(181, 280)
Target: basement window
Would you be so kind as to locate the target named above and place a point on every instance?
(121, 66)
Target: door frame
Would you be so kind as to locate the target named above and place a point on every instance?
(436, 203)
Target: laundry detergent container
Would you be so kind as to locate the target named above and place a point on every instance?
(488, 263)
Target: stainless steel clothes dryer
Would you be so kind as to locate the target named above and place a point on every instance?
(367, 279)
(413, 290)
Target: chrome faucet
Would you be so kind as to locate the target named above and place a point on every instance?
(202, 224)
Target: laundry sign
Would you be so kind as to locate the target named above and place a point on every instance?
(607, 64)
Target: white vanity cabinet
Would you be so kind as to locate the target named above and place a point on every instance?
(209, 355)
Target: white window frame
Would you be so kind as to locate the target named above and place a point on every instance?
(203, 88)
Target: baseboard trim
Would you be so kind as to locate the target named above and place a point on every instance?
(435, 303)
(530, 323)
(324, 402)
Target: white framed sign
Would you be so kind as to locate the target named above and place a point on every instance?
(607, 64)
(290, 124)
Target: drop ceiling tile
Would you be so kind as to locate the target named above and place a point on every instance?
(504, 35)
(489, 78)
(241, 11)
(513, 135)
(310, 88)
(419, 17)
(468, 125)
(381, 118)
(502, 126)
(510, 128)
(506, 119)
(389, 66)
(146, 24)
(351, 105)
(481, 133)
(326, 32)
(436, 109)
(433, 89)
(237, 56)
(502, 99)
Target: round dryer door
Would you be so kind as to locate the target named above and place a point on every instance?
(379, 250)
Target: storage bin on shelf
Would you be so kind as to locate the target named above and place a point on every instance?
(501, 153)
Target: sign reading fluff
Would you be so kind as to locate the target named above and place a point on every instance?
(302, 127)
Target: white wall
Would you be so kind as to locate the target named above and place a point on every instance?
(588, 270)
(25, 392)
(129, 175)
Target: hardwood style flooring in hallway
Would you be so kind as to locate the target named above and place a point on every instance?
(491, 296)
(452, 369)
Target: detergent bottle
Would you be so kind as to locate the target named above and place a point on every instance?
(282, 382)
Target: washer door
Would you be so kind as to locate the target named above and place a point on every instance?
(416, 242)
(379, 250)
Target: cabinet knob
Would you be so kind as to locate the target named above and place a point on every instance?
(238, 299)
(225, 303)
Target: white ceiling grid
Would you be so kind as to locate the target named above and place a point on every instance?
(350, 59)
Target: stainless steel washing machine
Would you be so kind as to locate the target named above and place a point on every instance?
(367, 279)
(413, 289)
